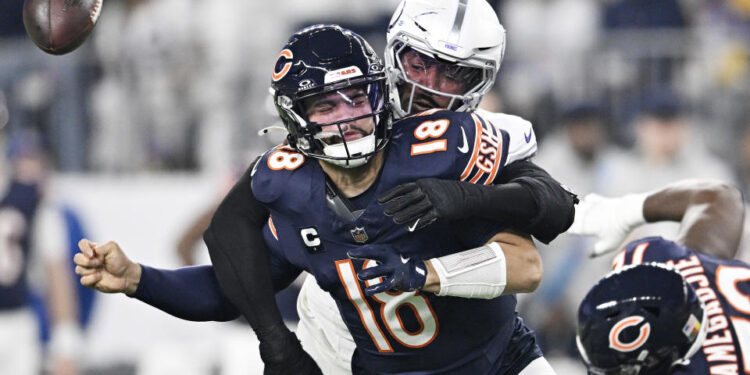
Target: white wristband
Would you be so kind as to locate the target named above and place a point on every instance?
(473, 273)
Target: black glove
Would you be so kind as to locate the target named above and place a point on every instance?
(427, 200)
(398, 273)
(282, 353)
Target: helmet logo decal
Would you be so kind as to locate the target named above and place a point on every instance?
(614, 334)
(342, 74)
(285, 69)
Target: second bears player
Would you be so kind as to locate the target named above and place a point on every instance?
(670, 307)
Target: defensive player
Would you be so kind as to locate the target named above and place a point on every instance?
(332, 98)
(644, 318)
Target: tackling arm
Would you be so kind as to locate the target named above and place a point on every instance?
(524, 197)
(711, 214)
(243, 269)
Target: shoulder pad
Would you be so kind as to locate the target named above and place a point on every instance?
(274, 170)
(451, 145)
(522, 138)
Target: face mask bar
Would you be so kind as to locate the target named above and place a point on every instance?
(476, 67)
(312, 141)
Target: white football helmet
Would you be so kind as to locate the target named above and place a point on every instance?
(463, 38)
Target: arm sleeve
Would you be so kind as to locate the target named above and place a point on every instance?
(190, 293)
(529, 199)
(240, 257)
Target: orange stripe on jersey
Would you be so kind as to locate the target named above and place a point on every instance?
(639, 252)
(273, 228)
(498, 160)
(475, 153)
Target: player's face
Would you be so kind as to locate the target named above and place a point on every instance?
(337, 108)
(433, 74)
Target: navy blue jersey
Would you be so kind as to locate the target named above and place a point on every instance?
(396, 332)
(723, 286)
(17, 210)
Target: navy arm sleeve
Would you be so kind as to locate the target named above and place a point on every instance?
(240, 257)
(190, 293)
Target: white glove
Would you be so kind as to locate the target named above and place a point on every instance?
(609, 219)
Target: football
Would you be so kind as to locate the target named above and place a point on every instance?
(60, 26)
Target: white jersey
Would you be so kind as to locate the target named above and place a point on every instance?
(322, 330)
(522, 137)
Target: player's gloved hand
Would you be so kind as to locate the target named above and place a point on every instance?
(427, 200)
(398, 273)
(609, 219)
(282, 353)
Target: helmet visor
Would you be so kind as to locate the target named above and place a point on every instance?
(428, 82)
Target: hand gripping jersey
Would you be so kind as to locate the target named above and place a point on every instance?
(17, 210)
(724, 288)
(397, 332)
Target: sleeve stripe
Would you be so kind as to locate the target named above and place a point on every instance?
(273, 228)
(475, 153)
(498, 161)
(489, 153)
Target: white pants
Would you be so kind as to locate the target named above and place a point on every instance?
(325, 337)
(20, 351)
(322, 331)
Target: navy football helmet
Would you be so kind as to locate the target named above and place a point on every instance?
(642, 319)
(324, 59)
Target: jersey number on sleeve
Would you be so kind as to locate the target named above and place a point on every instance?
(390, 304)
(285, 158)
(430, 129)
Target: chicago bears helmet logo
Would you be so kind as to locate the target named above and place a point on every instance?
(614, 334)
(286, 53)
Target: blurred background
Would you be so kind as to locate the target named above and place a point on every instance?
(136, 135)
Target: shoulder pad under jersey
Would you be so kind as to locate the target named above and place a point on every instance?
(450, 145)
(522, 138)
(277, 169)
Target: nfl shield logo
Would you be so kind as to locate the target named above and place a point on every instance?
(359, 234)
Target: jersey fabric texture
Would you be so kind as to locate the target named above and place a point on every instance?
(415, 333)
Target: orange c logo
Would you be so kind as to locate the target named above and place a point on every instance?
(614, 334)
(284, 70)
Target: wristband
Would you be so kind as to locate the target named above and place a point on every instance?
(473, 273)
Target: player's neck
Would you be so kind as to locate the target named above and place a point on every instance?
(354, 181)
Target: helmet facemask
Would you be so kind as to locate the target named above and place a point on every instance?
(347, 142)
(418, 77)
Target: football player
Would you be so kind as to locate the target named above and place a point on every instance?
(329, 88)
(31, 228)
(669, 307)
(446, 54)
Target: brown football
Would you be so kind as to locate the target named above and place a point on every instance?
(60, 26)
